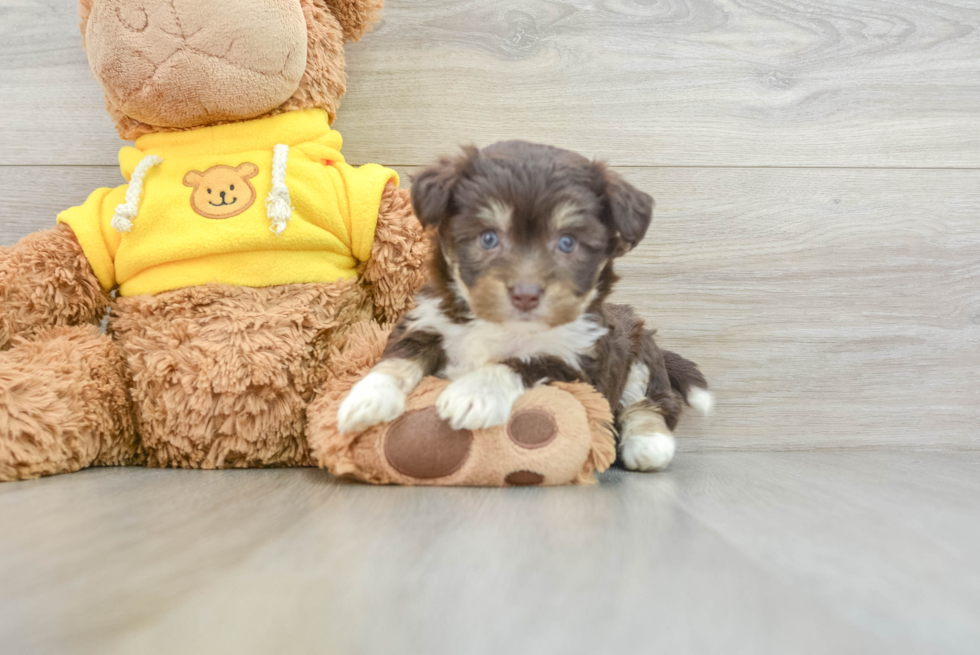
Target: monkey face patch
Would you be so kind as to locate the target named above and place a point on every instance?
(222, 191)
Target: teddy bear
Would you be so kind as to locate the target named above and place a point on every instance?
(249, 273)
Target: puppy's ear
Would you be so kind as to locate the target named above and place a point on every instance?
(432, 189)
(630, 210)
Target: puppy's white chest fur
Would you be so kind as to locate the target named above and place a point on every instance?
(469, 346)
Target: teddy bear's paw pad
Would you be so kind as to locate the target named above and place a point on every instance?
(532, 428)
(524, 478)
(421, 445)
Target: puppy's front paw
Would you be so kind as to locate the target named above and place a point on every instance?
(652, 452)
(375, 399)
(480, 399)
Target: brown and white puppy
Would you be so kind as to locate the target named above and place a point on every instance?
(525, 236)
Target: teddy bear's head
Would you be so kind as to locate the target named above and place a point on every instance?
(168, 65)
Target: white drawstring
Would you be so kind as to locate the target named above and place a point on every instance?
(278, 206)
(126, 212)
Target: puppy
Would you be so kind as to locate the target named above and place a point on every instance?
(524, 240)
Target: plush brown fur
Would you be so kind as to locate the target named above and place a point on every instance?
(356, 16)
(222, 375)
(325, 80)
(396, 268)
(351, 359)
(45, 281)
(63, 404)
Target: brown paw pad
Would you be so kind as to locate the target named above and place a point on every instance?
(422, 445)
(532, 428)
(524, 478)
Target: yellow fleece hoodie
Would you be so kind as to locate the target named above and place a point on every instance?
(257, 203)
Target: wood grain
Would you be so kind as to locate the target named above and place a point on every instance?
(691, 82)
(687, 82)
(828, 308)
(726, 552)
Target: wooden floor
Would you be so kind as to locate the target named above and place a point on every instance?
(728, 552)
(816, 248)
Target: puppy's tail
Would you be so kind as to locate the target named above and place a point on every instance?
(686, 379)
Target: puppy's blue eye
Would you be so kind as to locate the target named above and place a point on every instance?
(489, 240)
(566, 244)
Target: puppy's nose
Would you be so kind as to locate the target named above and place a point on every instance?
(525, 296)
(222, 195)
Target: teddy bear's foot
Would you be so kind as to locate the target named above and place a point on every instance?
(63, 404)
(555, 434)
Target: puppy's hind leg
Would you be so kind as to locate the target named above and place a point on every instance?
(645, 441)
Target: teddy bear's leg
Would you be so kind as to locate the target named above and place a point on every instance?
(63, 404)
(46, 281)
(354, 353)
(396, 269)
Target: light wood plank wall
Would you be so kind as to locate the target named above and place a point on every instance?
(816, 165)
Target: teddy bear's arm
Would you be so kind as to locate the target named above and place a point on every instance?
(45, 280)
(396, 268)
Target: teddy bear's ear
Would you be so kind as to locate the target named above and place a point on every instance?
(248, 170)
(432, 189)
(193, 178)
(355, 16)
